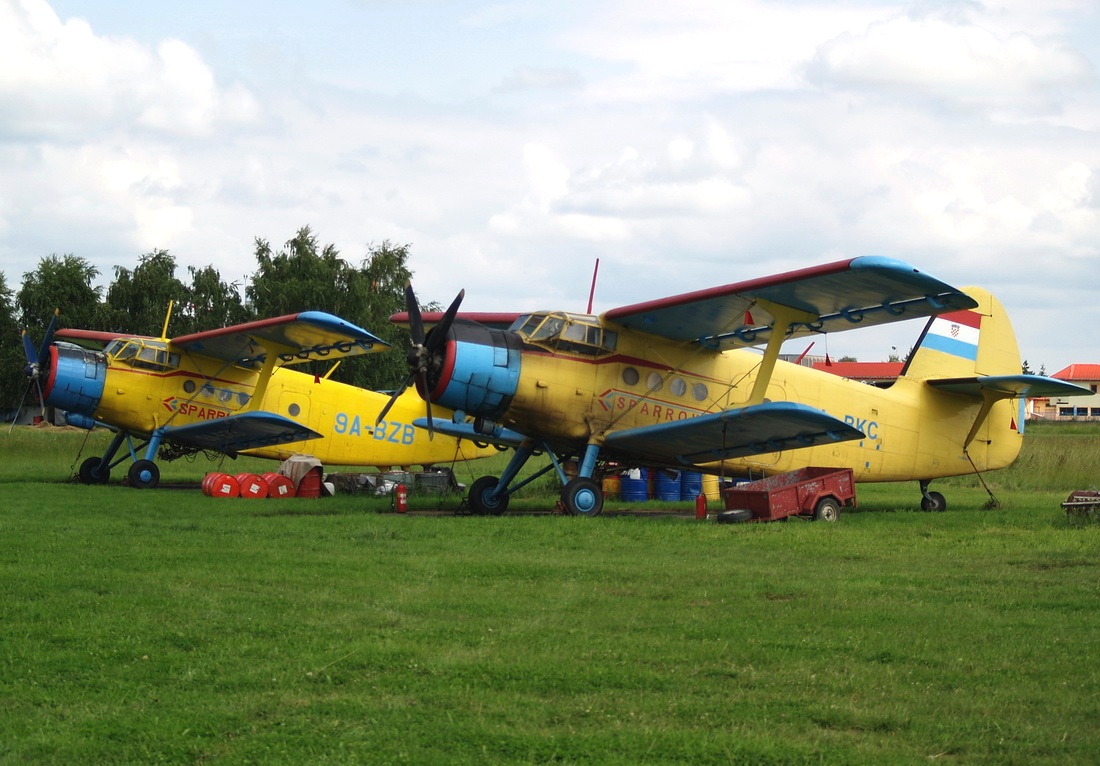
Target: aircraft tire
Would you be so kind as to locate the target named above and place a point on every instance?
(481, 504)
(735, 516)
(144, 474)
(91, 473)
(582, 497)
(827, 509)
(933, 502)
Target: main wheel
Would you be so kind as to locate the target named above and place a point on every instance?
(582, 497)
(480, 497)
(827, 509)
(91, 473)
(933, 502)
(144, 474)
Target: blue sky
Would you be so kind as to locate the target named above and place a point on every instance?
(511, 144)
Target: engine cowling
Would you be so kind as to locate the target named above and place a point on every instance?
(476, 371)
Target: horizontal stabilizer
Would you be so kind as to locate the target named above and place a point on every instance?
(501, 437)
(247, 430)
(1010, 386)
(755, 430)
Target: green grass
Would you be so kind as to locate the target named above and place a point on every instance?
(166, 627)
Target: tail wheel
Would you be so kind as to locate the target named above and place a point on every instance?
(827, 509)
(933, 501)
(144, 474)
(482, 502)
(91, 472)
(582, 497)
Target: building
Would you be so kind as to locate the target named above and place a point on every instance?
(1071, 407)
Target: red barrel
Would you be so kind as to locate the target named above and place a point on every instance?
(278, 486)
(252, 486)
(222, 485)
(310, 484)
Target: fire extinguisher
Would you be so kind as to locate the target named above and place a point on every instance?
(401, 498)
(701, 506)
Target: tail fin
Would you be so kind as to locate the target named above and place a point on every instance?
(962, 344)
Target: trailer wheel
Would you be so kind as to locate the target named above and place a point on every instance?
(827, 509)
(732, 517)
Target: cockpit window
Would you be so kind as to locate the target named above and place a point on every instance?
(560, 331)
(143, 354)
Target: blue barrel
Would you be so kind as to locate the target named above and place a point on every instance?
(691, 484)
(667, 485)
(634, 490)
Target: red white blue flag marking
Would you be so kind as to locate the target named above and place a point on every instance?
(956, 334)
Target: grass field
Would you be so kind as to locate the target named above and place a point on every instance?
(166, 627)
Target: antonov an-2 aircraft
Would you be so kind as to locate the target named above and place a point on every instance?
(231, 390)
(675, 382)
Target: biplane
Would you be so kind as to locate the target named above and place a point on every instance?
(695, 381)
(231, 390)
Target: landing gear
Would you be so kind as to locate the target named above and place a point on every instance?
(144, 474)
(482, 500)
(931, 501)
(582, 497)
(93, 471)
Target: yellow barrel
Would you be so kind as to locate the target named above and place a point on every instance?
(611, 485)
(711, 488)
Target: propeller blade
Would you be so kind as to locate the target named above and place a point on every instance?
(29, 349)
(47, 339)
(439, 332)
(416, 324)
(397, 393)
(19, 409)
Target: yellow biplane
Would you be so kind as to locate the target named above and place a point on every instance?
(675, 382)
(230, 390)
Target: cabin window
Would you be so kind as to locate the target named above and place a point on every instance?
(293, 409)
(631, 376)
(570, 333)
(144, 354)
(699, 391)
(678, 387)
(654, 381)
(189, 386)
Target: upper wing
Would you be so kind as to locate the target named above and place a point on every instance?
(860, 292)
(245, 430)
(754, 430)
(498, 320)
(94, 339)
(296, 338)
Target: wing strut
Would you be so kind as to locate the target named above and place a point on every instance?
(785, 316)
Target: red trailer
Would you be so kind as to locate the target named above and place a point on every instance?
(817, 493)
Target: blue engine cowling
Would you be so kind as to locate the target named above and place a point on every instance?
(76, 379)
(477, 370)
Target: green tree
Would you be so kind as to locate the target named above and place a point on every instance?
(137, 301)
(305, 276)
(63, 283)
(211, 303)
(12, 358)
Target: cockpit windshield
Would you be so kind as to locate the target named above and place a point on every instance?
(561, 331)
(142, 353)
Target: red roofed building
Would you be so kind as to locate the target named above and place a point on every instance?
(1072, 407)
(875, 373)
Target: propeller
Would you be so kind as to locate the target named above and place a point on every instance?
(37, 361)
(423, 350)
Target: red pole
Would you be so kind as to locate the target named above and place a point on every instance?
(592, 291)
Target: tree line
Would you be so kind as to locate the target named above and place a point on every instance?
(302, 275)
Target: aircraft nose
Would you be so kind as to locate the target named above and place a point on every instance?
(75, 380)
(478, 371)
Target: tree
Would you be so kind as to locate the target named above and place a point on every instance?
(12, 358)
(211, 303)
(137, 301)
(63, 283)
(304, 276)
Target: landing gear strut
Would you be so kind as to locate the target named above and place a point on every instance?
(931, 501)
(581, 495)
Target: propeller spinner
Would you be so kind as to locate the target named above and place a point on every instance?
(422, 356)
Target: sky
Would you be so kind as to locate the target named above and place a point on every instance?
(511, 144)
